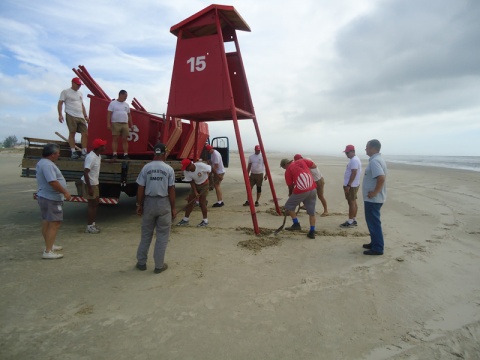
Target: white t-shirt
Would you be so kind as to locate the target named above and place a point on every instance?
(215, 159)
(200, 175)
(73, 102)
(120, 111)
(354, 163)
(258, 167)
(92, 162)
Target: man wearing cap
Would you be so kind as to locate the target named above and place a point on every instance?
(374, 194)
(351, 183)
(218, 171)
(156, 205)
(197, 174)
(119, 120)
(256, 169)
(301, 188)
(319, 180)
(75, 114)
(90, 178)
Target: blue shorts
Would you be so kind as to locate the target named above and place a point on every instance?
(51, 210)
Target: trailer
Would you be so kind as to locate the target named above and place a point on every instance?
(117, 176)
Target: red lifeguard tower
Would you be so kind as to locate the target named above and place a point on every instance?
(209, 84)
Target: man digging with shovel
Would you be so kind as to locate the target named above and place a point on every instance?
(301, 188)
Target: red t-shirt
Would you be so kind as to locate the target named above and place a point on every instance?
(298, 173)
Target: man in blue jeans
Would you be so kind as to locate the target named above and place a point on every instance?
(374, 193)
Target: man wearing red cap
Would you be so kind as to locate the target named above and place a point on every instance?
(351, 183)
(255, 170)
(91, 183)
(218, 171)
(75, 114)
(197, 174)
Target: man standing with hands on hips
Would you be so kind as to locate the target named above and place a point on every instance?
(374, 194)
(156, 206)
(76, 115)
(256, 170)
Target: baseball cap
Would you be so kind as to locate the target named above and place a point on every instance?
(98, 142)
(209, 147)
(257, 147)
(159, 149)
(185, 163)
(349, 148)
(285, 162)
(297, 157)
(77, 81)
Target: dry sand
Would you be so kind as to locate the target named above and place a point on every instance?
(295, 298)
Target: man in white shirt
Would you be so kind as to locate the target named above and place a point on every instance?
(119, 120)
(197, 174)
(256, 170)
(91, 182)
(218, 171)
(75, 114)
(351, 183)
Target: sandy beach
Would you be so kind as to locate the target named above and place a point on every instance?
(295, 299)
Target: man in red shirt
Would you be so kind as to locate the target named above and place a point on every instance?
(301, 188)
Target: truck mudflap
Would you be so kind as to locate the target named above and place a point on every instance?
(77, 198)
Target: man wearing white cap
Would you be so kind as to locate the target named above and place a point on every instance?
(75, 114)
(256, 170)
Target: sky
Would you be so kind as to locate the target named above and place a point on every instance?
(322, 74)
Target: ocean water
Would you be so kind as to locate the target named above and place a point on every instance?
(453, 162)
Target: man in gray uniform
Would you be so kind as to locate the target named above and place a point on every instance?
(156, 205)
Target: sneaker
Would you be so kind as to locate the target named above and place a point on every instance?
(294, 227)
(74, 156)
(354, 223)
(202, 224)
(164, 267)
(346, 224)
(51, 255)
(257, 204)
(367, 246)
(114, 157)
(311, 234)
(246, 203)
(57, 247)
(183, 223)
(218, 205)
(92, 229)
(126, 157)
(141, 267)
